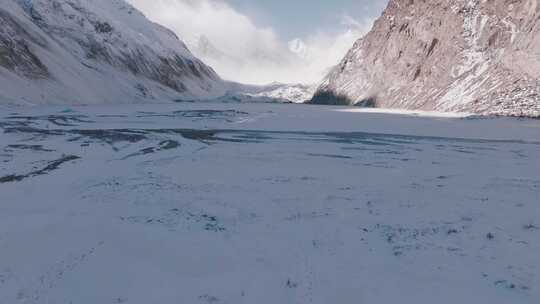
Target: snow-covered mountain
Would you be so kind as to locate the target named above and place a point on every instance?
(449, 55)
(277, 92)
(94, 51)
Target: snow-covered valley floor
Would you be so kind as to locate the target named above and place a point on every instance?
(230, 203)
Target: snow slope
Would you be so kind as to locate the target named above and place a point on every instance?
(243, 203)
(451, 55)
(94, 51)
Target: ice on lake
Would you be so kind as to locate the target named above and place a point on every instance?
(244, 203)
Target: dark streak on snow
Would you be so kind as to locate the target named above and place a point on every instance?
(37, 148)
(58, 120)
(53, 165)
(163, 146)
(253, 136)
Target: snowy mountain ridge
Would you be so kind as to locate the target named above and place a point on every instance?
(465, 55)
(280, 92)
(94, 51)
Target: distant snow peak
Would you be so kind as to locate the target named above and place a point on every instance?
(294, 93)
(271, 93)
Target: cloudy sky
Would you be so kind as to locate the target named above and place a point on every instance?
(263, 41)
(297, 18)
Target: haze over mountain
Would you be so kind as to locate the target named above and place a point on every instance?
(243, 50)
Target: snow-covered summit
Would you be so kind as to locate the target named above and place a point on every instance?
(94, 51)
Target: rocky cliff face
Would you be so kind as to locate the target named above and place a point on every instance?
(479, 56)
(94, 51)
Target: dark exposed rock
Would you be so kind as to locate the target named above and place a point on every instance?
(51, 166)
(103, 27)
(15, 53)
(330, 98)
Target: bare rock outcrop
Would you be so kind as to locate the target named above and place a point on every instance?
(480, 56)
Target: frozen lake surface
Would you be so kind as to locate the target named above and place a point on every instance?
(231, 203)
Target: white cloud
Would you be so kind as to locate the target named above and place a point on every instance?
(240, 50)
(323, 50)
